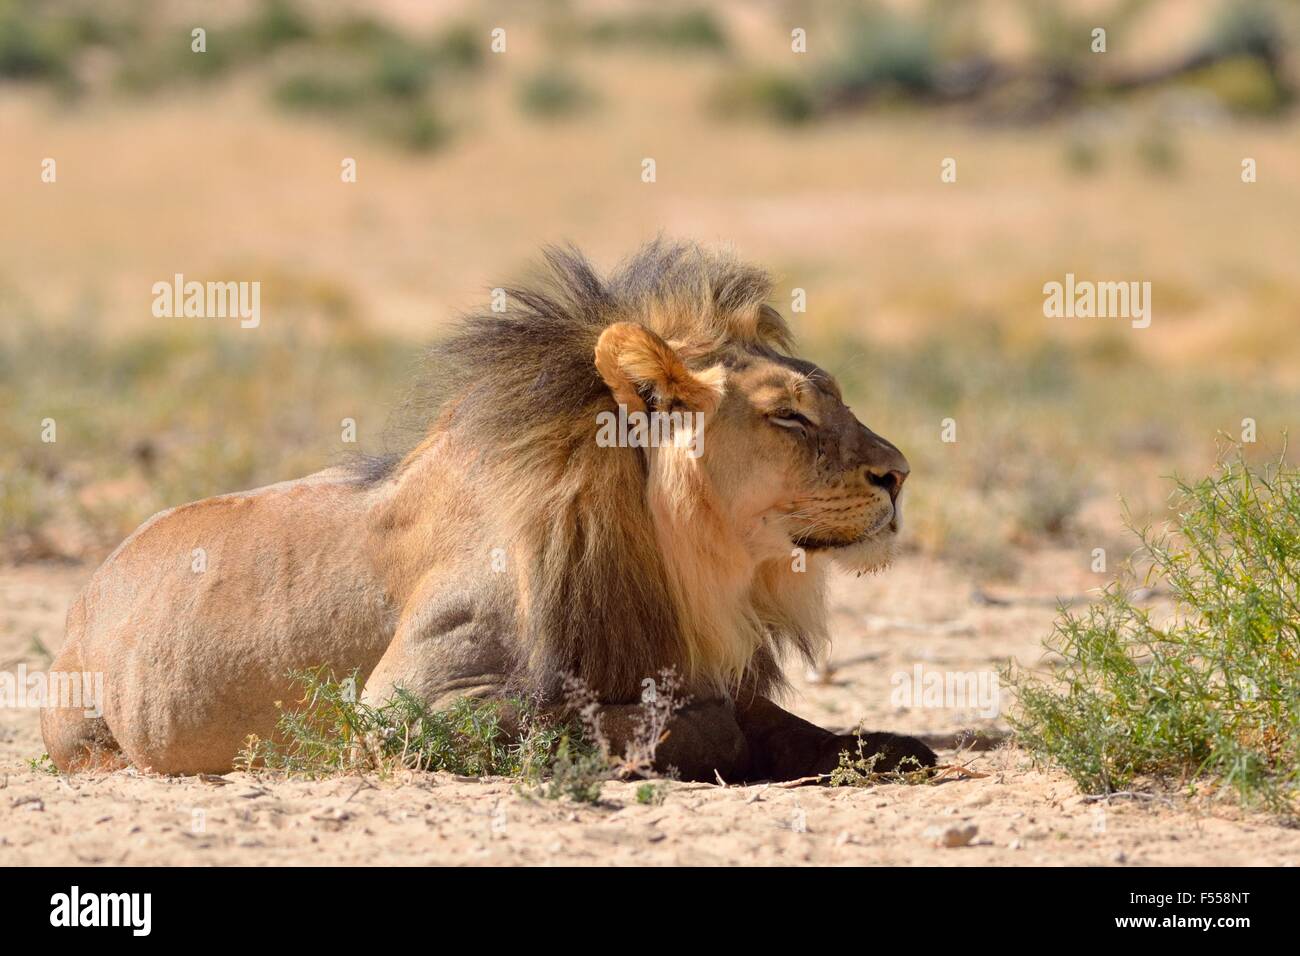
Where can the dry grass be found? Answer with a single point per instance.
(924, 297)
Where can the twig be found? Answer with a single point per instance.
(1131, 794)
(959, 772)
(800, 781)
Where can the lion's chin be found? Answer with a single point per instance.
(869, 554)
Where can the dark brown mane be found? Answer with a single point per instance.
(531, 366)
(521, 389)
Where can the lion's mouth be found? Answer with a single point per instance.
(814, 543)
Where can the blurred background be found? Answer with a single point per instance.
(924, 297)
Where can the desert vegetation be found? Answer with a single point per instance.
(1208, 700)
(330, 730)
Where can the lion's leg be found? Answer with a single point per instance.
(786, 747)
(449, 642)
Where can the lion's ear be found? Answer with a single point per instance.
(640, 367)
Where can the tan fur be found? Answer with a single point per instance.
(507, 549)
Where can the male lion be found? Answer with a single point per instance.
(510, 548)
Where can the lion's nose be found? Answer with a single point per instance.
(891, 481)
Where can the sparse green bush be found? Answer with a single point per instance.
(651, 795)
(412, 126)
(275, 24)
(859, 770)
(25, 52)
(42, 764)
(577, 773)
(331, 731)
(768, 94)
(1211, 697)
(322, 91)
(552, 93)
(459, 47)
(695, 29)
(1245, 27)
(883, 52)
(1244, 85)
(401, 71)
(368, 75)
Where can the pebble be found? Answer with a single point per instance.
(953, 836)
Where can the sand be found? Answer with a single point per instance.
(917, 613)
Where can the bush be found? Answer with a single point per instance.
(768, 94)
(884, 53)
(553, 93)
(683, 30)
(310, 90)
(330, 731)
(1211, 697)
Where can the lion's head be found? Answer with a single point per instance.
(670, 478)
(784, 465)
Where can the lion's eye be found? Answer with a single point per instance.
(789, 418)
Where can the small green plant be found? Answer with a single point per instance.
(42, 764)
(577, 773)
(1209, 698)
(859, 770)
(651, 795)
(553, 93)
(330, 731)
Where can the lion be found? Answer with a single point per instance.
(510, 550)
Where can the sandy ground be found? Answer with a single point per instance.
(918, 613)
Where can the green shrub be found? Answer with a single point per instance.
(696, 29)
(317, 91)
(859, 770)
(884, 52)
(1245, 27)
(1211, 697)
(35, 45)
(651, 795)
(1244, 85)
(276, 23)
(330, 731)
(552, 93)
(24, 52)
(578, 773)
(459, 47)
(768, 94)
(401, 71)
